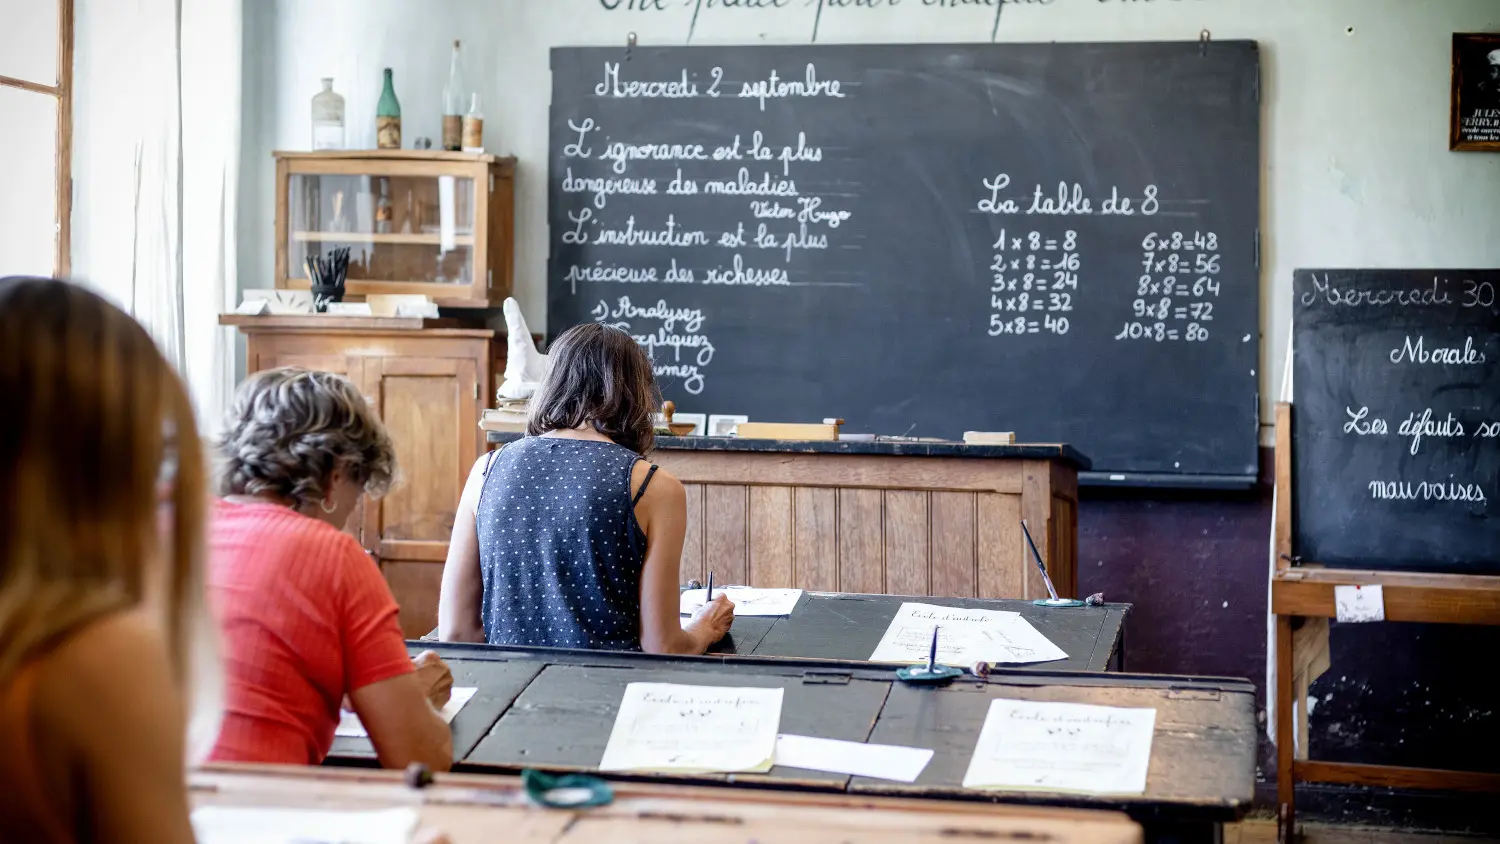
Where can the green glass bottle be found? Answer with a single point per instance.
(388, 117)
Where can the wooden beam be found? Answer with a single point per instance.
(63, 262)
(1446, 599)
(25, 85)
(1393, 777)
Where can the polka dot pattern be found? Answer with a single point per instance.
(560, 551)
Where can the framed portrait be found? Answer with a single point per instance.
(1474, 121)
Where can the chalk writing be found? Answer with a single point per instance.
(1417, 352)
(665, 338)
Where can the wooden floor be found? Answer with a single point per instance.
(1264, 832)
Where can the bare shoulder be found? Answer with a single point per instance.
(109, 675)
(664, 488)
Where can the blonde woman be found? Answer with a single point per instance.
(102, 502)
(306, 617)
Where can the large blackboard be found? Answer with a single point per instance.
(845, 224)
(1396, 419)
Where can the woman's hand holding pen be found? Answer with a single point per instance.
(711, 620)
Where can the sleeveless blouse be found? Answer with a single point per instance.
(560, 550)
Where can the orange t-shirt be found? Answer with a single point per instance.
(304, 617)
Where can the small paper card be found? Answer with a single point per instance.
(1354, 604)
(350, 726)
(236, 825)
(671, 728)
(884, 761)
(1036, 746)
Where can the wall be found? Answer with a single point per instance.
(1356, 162)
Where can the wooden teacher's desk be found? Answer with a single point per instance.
(554, 709)
(895, 518)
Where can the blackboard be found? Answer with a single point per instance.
(1054, 239)
(1396, 419)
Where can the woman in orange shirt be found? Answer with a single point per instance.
(305, 615)
(104, 645)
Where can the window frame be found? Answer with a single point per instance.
(62, 261)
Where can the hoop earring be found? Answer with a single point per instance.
(326, 507)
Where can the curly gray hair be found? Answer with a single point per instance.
(290, 428)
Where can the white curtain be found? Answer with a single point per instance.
(156, 159)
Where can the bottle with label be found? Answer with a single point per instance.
(454, 97)
(474, 127)
(327, 118)
(388, 117)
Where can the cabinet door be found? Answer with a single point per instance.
(430, 407)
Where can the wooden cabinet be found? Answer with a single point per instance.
(428, 381)
(435, 223)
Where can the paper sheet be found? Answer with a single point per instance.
(1033, 746)
(1355, 604)
(966, 637)
(699, 729)
(885, 761)
(350, 727)
(746, 600)
(234, 825)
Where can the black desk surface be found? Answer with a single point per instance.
(553, 709)
(848, 626)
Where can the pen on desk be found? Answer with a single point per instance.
(1051, 590)
(932, 654)
(709, 596)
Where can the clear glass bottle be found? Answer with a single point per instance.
(384, 213)
(388, 117)
(327, 118)
(454, 97)
(474, 127)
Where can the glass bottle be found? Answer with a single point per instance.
(384, 213)
(388, 117)
(474, 127)
(453, 104)
(327, 118)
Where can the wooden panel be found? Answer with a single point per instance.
(1063, 567)
(1036, 509)
(954, 544)
(907, 543)
(845, 470)
(472, 809)
(1309, 592)
(416, 586)
(724, 533)
(692, 541)
(1386, 776)
(861, 546)
(771, 537)
(815, 545)
(423, 409)
(1001, 562)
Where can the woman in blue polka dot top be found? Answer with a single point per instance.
(568, 537)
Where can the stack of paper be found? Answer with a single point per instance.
(1026, 745)
(350, 726)
(746, 600)
(226, 825)
(664, 727)
(965, 637)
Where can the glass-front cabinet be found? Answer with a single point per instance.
(433, 223)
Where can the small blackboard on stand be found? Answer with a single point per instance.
(1387, 475)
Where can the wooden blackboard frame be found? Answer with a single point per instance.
(1302, 589)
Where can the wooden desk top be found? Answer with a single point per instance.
(483, 810)
(553, 709)
(848, 626)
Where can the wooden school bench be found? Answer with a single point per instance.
(554, 709)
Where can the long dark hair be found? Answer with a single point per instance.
(599, 376)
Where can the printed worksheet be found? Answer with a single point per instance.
(747, 600)
(964, 637)
(667, 727)
(1075, 747)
